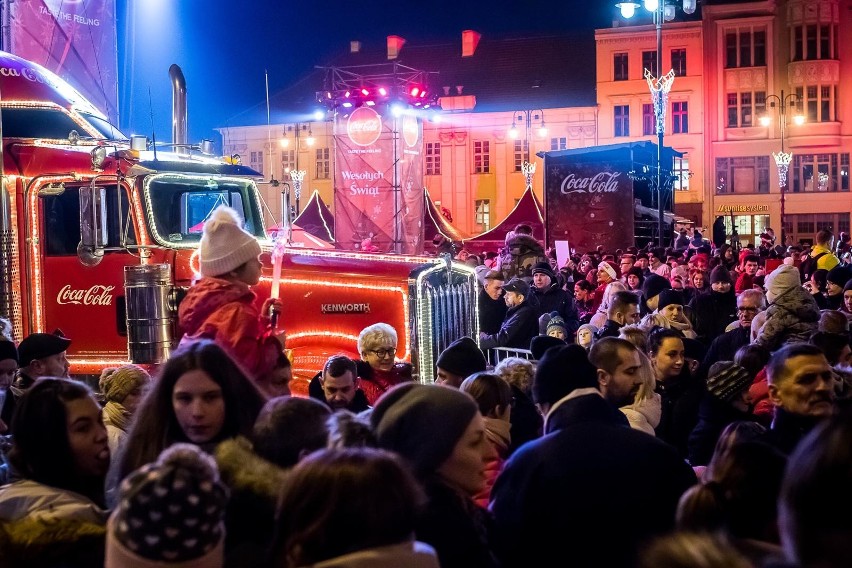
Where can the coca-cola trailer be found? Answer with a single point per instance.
(603, 195)
(99, 233)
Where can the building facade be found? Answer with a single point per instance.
(743, 72)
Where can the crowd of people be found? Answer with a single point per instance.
(666, 407)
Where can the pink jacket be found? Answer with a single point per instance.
(225, 312)
(497, 432)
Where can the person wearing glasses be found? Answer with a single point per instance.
(724, 347)
(378, 369)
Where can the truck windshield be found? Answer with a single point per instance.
(32, 122)
(106, 129)
(181, 203)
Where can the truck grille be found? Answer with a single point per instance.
(446, 309)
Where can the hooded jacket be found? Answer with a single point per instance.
(556, 493)
(792, 315)
(519, 255)
(225, 312)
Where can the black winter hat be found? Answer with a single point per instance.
(423, 423)
(544, 268)
(41, 345)
(720, 274)
(8, 350)
(653, 285)
(839, 275)
(693, 349)
(668, 297)
(518, 286)
(726, 379)
(462, 357)
(541, 343)
(560, 371)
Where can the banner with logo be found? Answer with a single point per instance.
(588, 203)
(378, 182)
(76, 39)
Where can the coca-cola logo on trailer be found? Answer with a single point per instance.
(602, 182)
(364, 126)
(96, 295)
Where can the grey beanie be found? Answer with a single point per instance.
(423, 424)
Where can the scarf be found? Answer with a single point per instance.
(497, 431)
(116, 415)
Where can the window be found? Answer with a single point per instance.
(62, 221)
(747, 174)
(521, 151)
(802, 227)
(681, 174)
(621, 127)
(288, 160)
(481, 157)
(483, 214)
(680, 117)
(745, 47)
(748, 227)
(813, 42)
(820, 172)
(256, 161)
(648, 119)
(744, 107)
(649, 61)
(619, 66)
(679, 62)
(560, 143)
(323, 168)
(433, 158)
(817, 102)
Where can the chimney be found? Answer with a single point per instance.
(354, 46)
(395, 44)
(470, 39)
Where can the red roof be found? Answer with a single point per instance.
(528, 210)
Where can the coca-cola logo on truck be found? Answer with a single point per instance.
(602, 182)
(96, 295)
(364, 126)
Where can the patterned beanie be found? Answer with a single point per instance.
(170, 512)
(225, 245)
(557, 322)
(118, 382)
(726, 379)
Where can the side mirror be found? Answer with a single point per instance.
(93, 225)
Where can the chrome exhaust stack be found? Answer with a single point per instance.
(179, 128)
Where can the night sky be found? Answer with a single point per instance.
(223, 47)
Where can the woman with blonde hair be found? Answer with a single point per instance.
(378, 369)
(525, 418)
(670, 308)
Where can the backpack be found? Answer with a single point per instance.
(809, 266)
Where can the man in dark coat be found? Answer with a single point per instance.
(565, 496)
(521, 323)
(724, 347)
(552, 298)
(623, 310)
(492, 307)
(337, 385)
(801, 387)
(712, 311)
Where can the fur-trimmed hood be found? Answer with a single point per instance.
(243, 471)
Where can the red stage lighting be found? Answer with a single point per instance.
(423, 93)
(365, 92)
(414, 91)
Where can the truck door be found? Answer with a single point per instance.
(85, 302)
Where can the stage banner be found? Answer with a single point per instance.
(411, 185)
(588, 203)
(76, 40)
(378, 182)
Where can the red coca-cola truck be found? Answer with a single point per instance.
(98, 237)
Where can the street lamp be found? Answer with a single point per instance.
(300, 131)
(782, 159)
(526, 118)
(659, 86)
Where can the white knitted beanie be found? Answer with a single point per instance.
(225, 246)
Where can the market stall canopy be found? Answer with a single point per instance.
(528, 210)
(434, 223)
(316, 219)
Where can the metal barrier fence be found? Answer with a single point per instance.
(497, 354)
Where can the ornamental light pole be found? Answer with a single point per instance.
(659, 85)
(527, 117)
(782, 159)
(297, 175)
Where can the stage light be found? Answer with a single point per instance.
(365, 92)
(347, 94)
(396, 110)
(371, 103)
(347, 104)
(328, 95)
(383, 92)
(319, 115)
(414, 91)
(423, 93)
